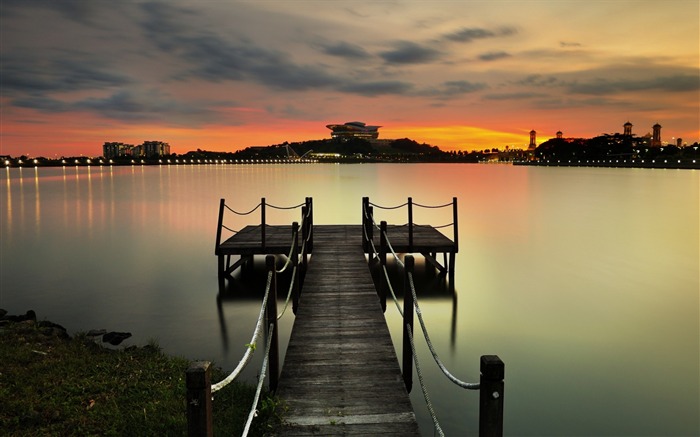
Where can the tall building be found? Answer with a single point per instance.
(154, 149)
(559, 135)
(656, 136)
(533, 140)
(354, 129)
(116, 149)
(628, 129)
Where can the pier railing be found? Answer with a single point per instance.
(198, 376)
(225, 267)
(491, 383)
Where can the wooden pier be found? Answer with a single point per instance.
(340, 374)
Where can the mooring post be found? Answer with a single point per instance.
(295, 260)
(271, 315)
(410, 224)
(407, 324)
(455, 228)
(304, 239)
(370, 231)
(199, 409)
(220, 257)
(262, 221)
(365, 240)
(491, 396)
(382, 260)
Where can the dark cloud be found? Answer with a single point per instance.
(493, 56)
(514, 96)
(451, 89)
(64, 71)
(569, 44)
(469, 34)
(676, 83)
(79, 11)
(538, 80)
(376, 88)
(345, 50)
(407, 52)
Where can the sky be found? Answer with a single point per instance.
(224, 75)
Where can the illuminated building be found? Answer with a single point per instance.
(559, 135)
(353, 129)
(533, 140)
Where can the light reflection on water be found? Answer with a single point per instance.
(584, 281)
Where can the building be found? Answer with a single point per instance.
(656, 136)
(353, 129)
(560, 134)
(533, 140)
(116, 150)
(155, 149)
(628, 129)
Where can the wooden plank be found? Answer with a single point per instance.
(340, 374)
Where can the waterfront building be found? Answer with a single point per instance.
(116, 150)
(155, 149)
(353, 129)
(656, 136)
(533, 140)
(559, 135)
(628, 129)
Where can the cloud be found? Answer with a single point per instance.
(514, 96)
(604, 86)
(345, 50)
(377, 88)
(469, 34)
(64, 71)
(493, 56)
(569, 44)
(407, 52)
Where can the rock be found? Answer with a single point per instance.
(2, 313)
(115, 338)
(47, 324)
(96, 332)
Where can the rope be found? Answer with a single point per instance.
(422, 384)
(289, 293)
(289, 257)
(285, 207)
(467, 385)
(432, 207)
(229, 229)
(443, 226)
(250, 348)
(243, 213)
(388, 207)
(263, 370)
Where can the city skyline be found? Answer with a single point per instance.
(223, 76)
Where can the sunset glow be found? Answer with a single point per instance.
(222, 76)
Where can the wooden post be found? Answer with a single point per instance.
(407, 324)
(199, 412)
(410, 225)
(219, 225)
(382, 259)
(304, 239)
(365, 241)
(455, 222)
(262, 221)
(491, 396)
(295, 260)
(311, 225)
(271, 315)
(370, 231)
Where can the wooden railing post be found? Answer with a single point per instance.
(295, 263)
(410, 224)
(271, 315)
(262, 221)
(222, 205)
(370, 230)
(304, 239)
(407, 324)
(455, 221)
(199, 409)
(491, 396)
(365, 241)
(382, 260)
(310, 207)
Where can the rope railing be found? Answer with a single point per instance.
(286, 207)
(433, 416)
(433, 206)
(388, 207)
(261, 379)
(250, 347)
(243, 213)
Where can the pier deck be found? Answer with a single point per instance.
(340, 374)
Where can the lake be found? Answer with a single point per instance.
(584, 281)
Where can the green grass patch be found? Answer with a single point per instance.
(73, 386)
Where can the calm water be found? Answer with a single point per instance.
(584, 281)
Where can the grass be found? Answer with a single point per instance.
(53, 385)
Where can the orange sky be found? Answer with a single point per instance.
(227, 75)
